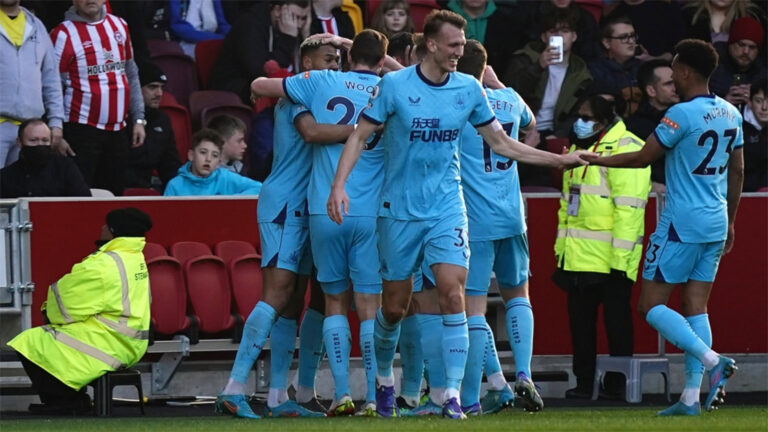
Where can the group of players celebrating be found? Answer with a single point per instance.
(390, 213)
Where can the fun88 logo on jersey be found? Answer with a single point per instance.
(428, 130)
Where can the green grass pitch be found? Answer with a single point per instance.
(642, 419)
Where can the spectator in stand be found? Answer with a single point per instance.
(40, 171)
(491, 26)
(756, 138)
(393, 17)
(265, 32)
(202, 176)
(101, 86)
(193, 21)
(328, 17)
(659, 25)
(159, 153)
(232, 130)
(28, 78)
(587, 46)
(739, 63)
(617, 68)
(550, 88)
(712, 20)
(655, 80)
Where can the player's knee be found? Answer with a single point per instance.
(642, 309)
(452, 302)
(393, 313)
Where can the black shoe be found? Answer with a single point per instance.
(75, 409)
(578, 393)
(612, 395)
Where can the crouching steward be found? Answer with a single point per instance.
(97, 317)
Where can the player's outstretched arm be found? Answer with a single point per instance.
(735, 180)
(338, 201)
(651, 151)
(321, 133)
(269, 87)
(503, 145)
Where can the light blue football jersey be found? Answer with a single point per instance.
(337, 98)
(421, 140)
(699, 136)
(283, 196)
(490, 182)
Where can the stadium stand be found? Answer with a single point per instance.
(180, 123)
(206, 53)
(169, 295)
(202, 99)
(244, 269)
(181, 71)
(140, 192)
(158, 47)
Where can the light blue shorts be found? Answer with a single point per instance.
(669, 260)
(508, 258)
(285, 247)
(345, 253)
(423, 280)
(404, 245)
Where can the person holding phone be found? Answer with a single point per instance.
(739, 62)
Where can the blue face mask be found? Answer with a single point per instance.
(584, 129)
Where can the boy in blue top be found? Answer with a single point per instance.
(286, 261)
(499, 244)
(421, 208)
(701, 139)
(202, 176)
(348, 252)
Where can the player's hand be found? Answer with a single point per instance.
(332, 39)
(548, 56)
(490, 79)
(338, 202)
(138, 135)
(738, 94)
(577, 158)
(730, 239)
(59, 143)
(288, 23)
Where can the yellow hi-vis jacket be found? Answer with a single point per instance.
(99, 316)
(607, 233)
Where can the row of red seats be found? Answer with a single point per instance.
(195, 289)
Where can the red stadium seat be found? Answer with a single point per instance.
(419, 10)
(207, 286)
(538, 189)
(555, 145)
(240, 111)
(206, 53)
(202, 99)
(244, 268)
(594, 7)
(140, 192)
(181, 71)
(158, 47)
(180, 123)
(169, 298)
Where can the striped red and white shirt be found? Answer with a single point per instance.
(329, 25)
(93, 57)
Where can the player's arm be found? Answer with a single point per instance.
(735, 180)
(269, 87)
(506, 146)
(338, 201)
(532, 124)
(651, 151)
(321, 133)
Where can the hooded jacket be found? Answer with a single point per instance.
(220, 182)
(29, 76)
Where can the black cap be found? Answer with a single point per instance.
(128, 222)
(150, 72)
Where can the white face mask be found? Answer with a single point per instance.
(584, 129)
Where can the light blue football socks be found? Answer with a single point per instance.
(411, 358)
(369, 358)
(282, 341)
(338, 341)
(310, 347)
(255, 332)
(473, 372)
(385, 337)
(519, 319)
(455, 346)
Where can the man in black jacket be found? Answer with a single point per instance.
(655, 80)
(40, 172)
(265, 32)
(159, 153)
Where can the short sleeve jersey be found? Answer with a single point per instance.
(421, 139)
(283, 197)
(699, 136)
(337, 98)
(490, 182)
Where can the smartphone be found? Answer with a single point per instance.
(738, 79)
(557, 42)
